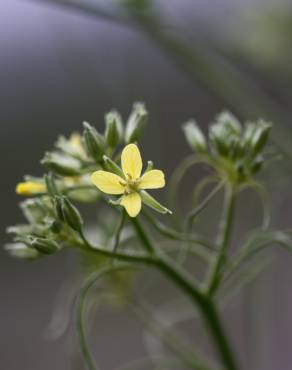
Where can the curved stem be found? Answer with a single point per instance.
(179, 173)
(182, 280)
(223, 241)
(176, 235)
(197, 210)
(87, 356)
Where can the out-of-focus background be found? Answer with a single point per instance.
(63, 62)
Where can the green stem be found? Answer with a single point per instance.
(182, 280)
(203, 301)
(143, 236)
(86, 354)
(223, 241)
(119, 230)
(197, 210)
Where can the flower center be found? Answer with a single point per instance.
(131, 185)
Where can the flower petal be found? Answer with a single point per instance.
(153, 179)
(131, 161)
(108, 182)
(30, 188)
(132, 203)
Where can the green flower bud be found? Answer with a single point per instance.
(20, 250)
(45, 246)
(217, 135)
(94, 142)
(257, 165)
(248, 134)
(136, 123)
(34, 210)
(195, 137)
(229, 122)
(225, 135)
(111, 166)
(71, 215)
(260, 136)
(114, 129)
(62, 165)
(57, 202)
(149, 167)
(51, 185)
(153, 203)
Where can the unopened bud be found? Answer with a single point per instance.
(111, 166)
(94, 142)
(20, 250)
(62, 165)
(153, 203)
(71, 215)
(114, 129)
(136, 123)
(195, 137)
(260, 136)
(45, 246)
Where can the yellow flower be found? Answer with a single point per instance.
(132, 182)
(30, 188)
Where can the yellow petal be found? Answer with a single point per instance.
(108, 182)
(153, 179)
(131, 161)
(132, 204)
(30, 188)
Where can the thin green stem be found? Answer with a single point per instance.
(192, 216)
(203, 301)
(182, 280)
(176, 235)
(143, 235)
(171, 339)
(222, 241)
(197, 210)
(84, 347)
(118, 231)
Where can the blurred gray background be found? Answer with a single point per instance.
(61, 65)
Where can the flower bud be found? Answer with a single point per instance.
(111, 166)
(248, 134)
(51, 185)
(57, 202)
(34, 210)
(29, 188)
(218, 138)
(62, 165)
(257, 165)
(71, 215)
(136, 123)
(149, 167)
(45, 246)
(94, 142)
(229, 122)
(260, 136)
(20, 250)
(153, 203)
(114, 129)
(195, 137)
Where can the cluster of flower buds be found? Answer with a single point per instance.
(74, 156)
(235, 151)
(52, 221)
(52, 218)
